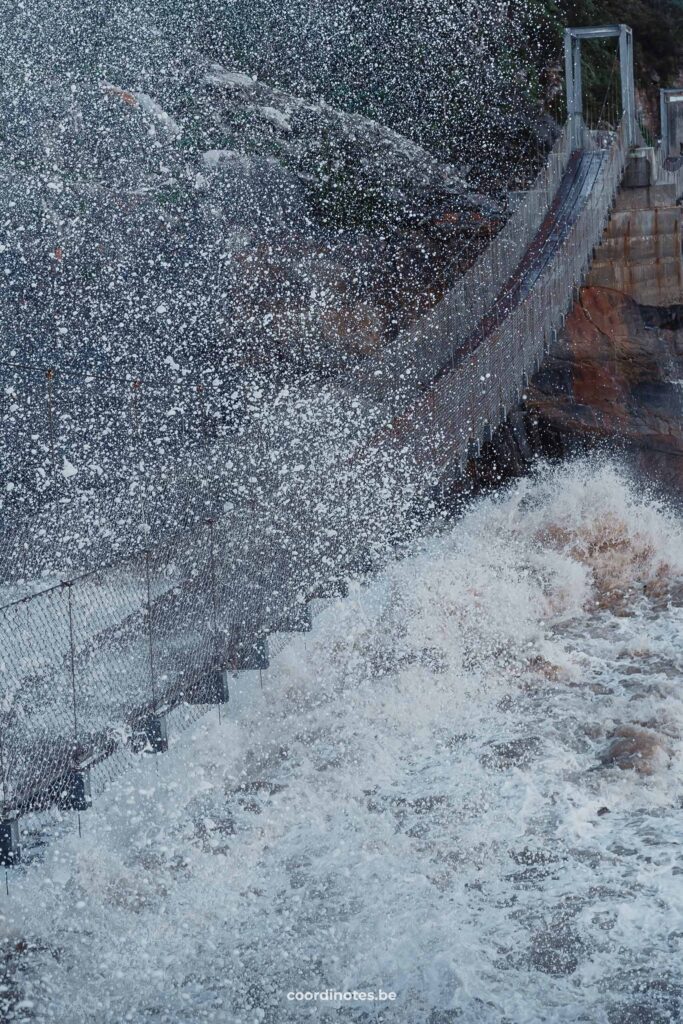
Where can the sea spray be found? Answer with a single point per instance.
(426, 797)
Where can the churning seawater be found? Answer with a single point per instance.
(464, 786)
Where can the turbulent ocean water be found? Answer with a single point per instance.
(463, 786)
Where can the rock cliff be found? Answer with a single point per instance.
(617, 373)
(189, 183)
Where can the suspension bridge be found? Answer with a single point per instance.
(96, 668)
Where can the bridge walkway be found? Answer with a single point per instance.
(435, 419)
(572, 196)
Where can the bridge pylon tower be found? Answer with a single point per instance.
(573, 38)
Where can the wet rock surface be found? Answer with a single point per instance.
(632, 748)
(615, 373)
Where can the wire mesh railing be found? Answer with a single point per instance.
(93, 664)
(399, 370)
(90, 667)
(466, 405)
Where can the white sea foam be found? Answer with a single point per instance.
(411, 801)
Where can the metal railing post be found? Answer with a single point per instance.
(76, 793)
(154, 726)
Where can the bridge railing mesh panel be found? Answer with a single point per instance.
(474, 395)
(419, 351)
(36, 716)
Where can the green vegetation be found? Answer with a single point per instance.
(658, 36)
(657, 28)
(467, 80)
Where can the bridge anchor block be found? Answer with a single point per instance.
(247, 654)
(473, 449)
(150, 735)
(213, 689)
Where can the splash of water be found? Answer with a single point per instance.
(463, 787)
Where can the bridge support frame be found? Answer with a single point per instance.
(213, 689)
(10, 848)
(572, 62)
(247, 651)
(76, 794)
(151, 733)
(671, 122)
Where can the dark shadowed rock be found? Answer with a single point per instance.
(556, 951)
(517, 753)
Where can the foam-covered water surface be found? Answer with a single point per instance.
(464, 787)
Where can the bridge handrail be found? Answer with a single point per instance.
(492, 378)
(418, 351)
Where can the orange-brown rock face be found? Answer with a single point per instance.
(617, 372)
(633, 748)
